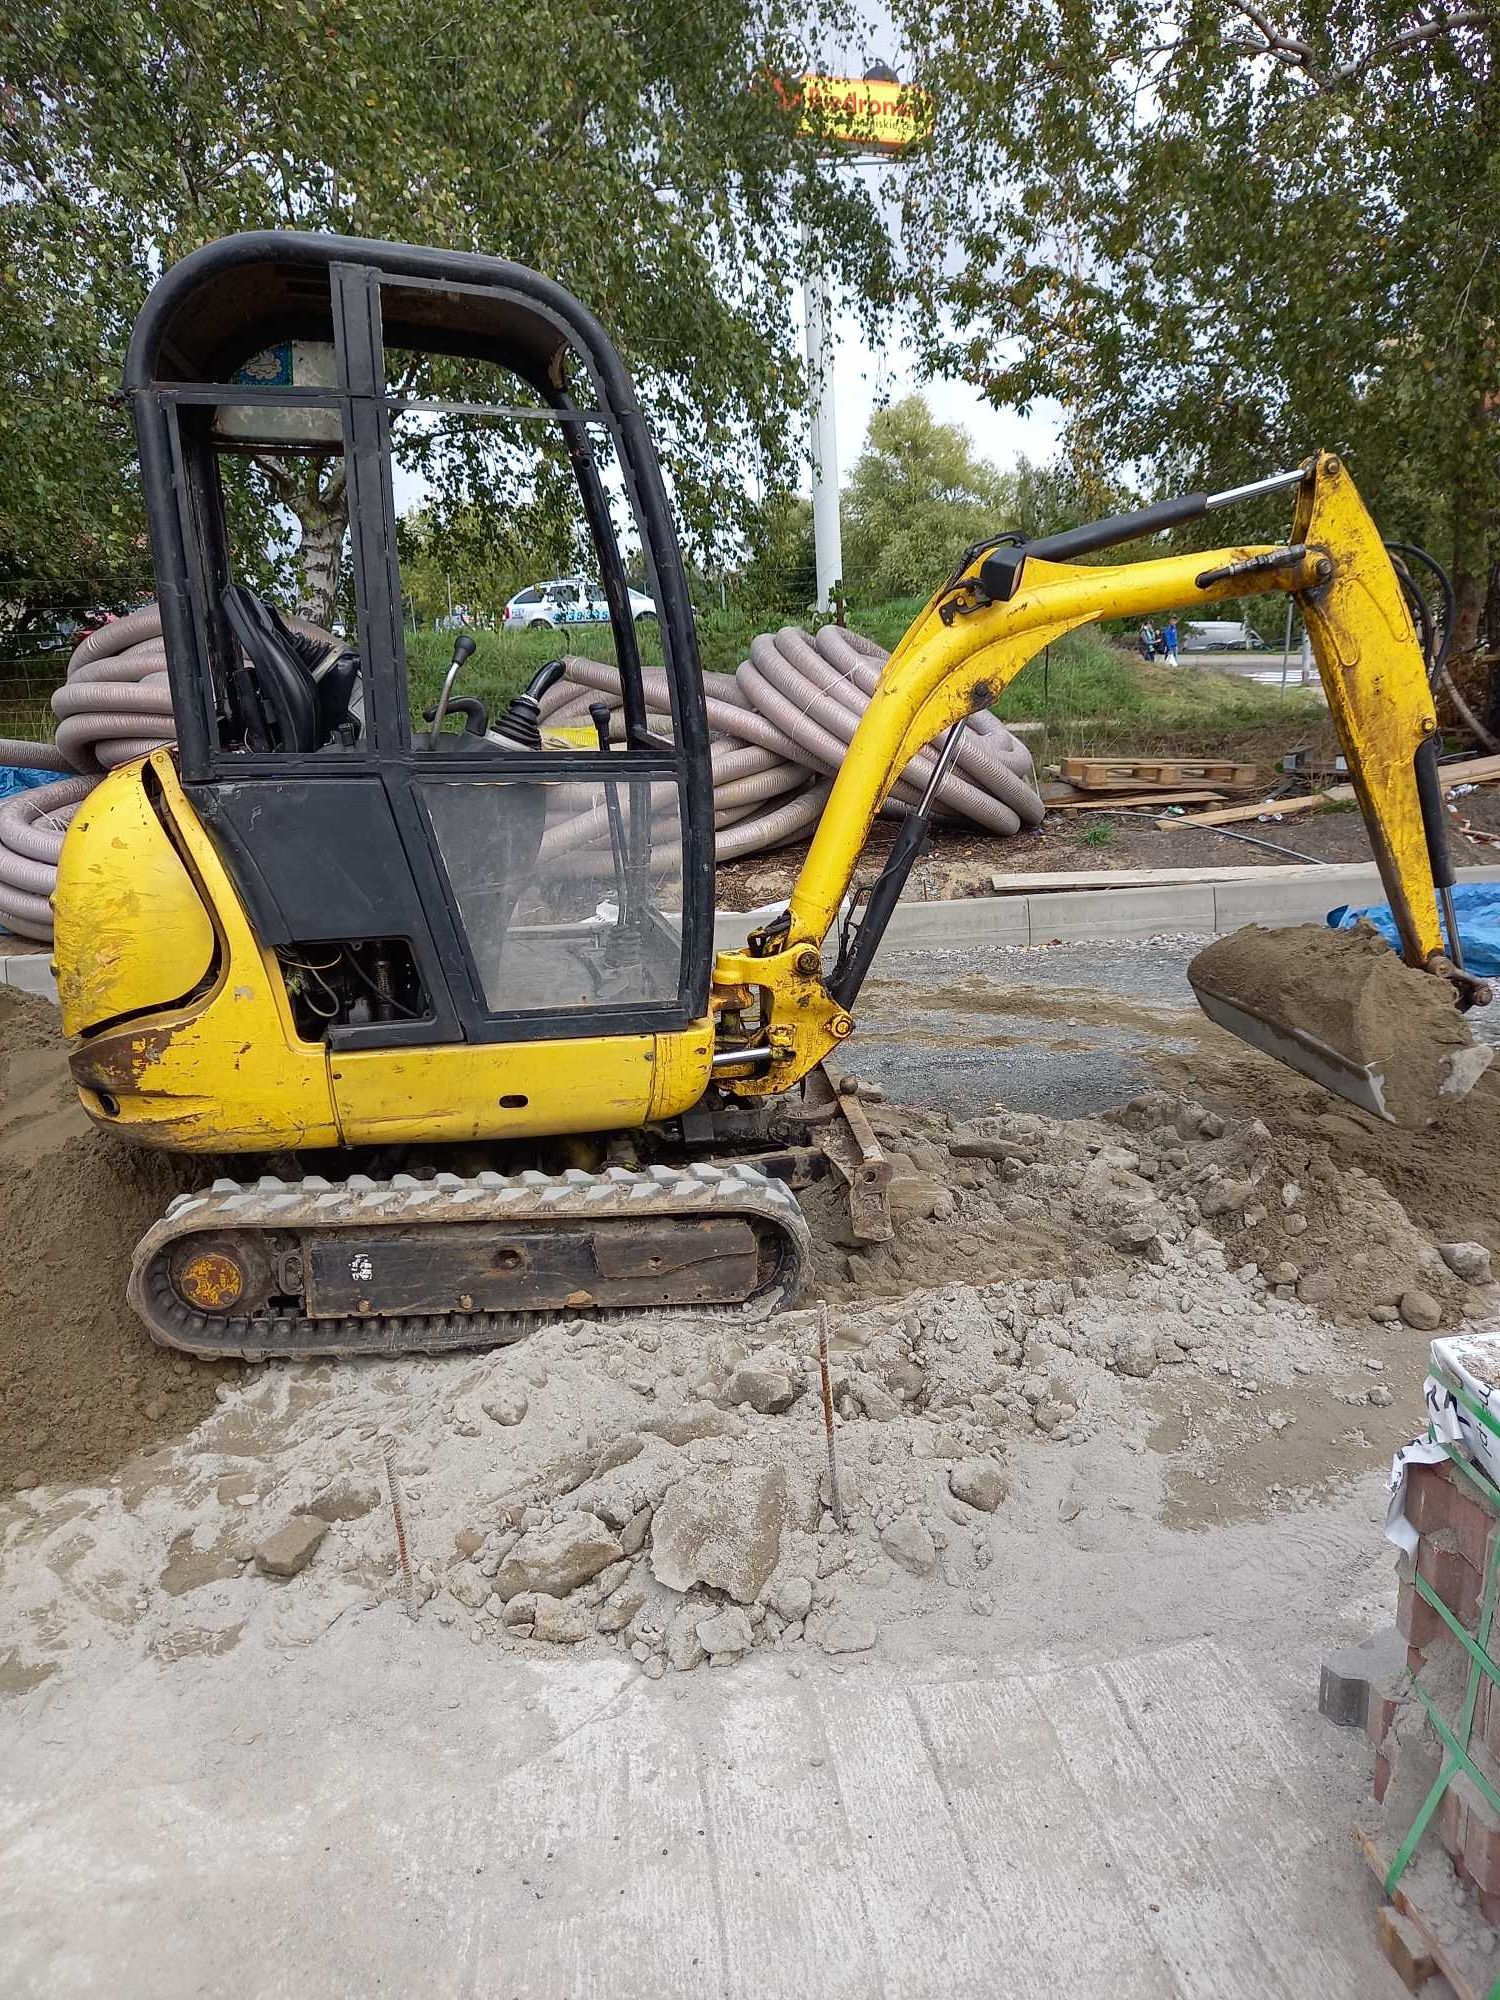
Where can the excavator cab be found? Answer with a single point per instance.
(422, 871)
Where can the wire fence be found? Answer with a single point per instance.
(41, 620)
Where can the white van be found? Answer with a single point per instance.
(1222, 635)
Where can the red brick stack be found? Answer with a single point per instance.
(1455, 1527)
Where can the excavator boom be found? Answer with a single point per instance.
(1006, 603)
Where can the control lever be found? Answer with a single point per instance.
(599, 715)
(463, 650)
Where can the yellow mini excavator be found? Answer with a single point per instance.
(320, 931)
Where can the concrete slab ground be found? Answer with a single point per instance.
(1139, 1825)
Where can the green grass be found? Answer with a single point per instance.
(1092, 695)
(1095, 698)
(504, 661)
(1098, 834)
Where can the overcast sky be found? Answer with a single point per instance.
(864, 377)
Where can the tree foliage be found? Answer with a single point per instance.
(917, 496)
(781, 576)
(629, 151)
(1230, 231)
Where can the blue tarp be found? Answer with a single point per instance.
(1478, 908)
(17, 778)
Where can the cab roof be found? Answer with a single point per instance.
(232, 299)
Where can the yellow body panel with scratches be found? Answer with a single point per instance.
(131, 928)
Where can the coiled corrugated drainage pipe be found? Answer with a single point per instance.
(114, 706)
(779, 728)
(797, 702)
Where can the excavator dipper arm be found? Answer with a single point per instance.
(998, 611)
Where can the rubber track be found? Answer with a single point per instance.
(505, 1200)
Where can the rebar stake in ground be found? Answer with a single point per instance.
(834, 1497)
(398, 1515)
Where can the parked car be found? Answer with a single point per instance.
(1222, 635)
(568, 600)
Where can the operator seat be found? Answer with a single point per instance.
(303, 712)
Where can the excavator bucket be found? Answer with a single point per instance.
(1342, 1008)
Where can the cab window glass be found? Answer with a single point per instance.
(265, 494)
(511, 520)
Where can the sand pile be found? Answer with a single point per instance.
(81, 1388)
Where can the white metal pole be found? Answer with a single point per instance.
(1286, 645)
(827, 536)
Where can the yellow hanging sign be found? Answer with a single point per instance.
(864, 113)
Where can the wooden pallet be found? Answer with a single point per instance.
(1407, 1902)
(1067, 798)
(1134, 774)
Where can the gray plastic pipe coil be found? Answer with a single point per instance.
(778, 728)
(797, 702)
(114, 706)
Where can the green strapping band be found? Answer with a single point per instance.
(1465, 1638)
(1460, 1394)
(1485, 1488)
(1418, 1826)
(1480, 1664)
(1460, 1756)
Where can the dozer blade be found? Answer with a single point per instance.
(1362, 1083)
(317, 1268)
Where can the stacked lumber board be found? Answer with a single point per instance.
(1468, 771)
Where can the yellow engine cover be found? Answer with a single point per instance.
(226, 1071)
(130, 926)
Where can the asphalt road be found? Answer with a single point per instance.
(1073, 1039)
(925, 1041)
